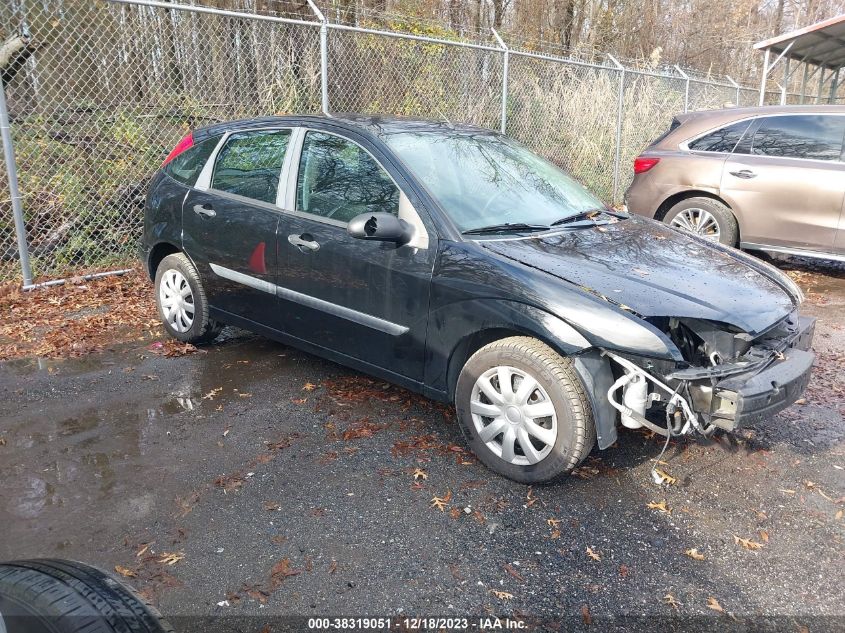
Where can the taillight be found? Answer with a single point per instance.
(642, 164)
(185, 144)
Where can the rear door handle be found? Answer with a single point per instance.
(205, 209)
(743, 173)
(303, 244)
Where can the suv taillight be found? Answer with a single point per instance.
(185, 144)
(642, 164)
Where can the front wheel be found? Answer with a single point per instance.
(523, 410)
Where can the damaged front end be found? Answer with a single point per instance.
(727, 379)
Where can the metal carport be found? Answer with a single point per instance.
(819, 48)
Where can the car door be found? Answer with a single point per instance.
(230, 222)
(786, 181)
(363, 299)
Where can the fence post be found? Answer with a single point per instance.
(686, 87)
(505, 62)
(324, 56)
(736, 86)
(14, 192)
(620, 110)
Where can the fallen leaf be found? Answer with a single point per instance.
(282, 570)
(585, 615)
(665, 478)
(171, 558)
(278, 539)
(144, 548)
(309, 386)
(694, 554)
(747, 543)
(502, 595)
(671, 601)
(592, 554)
(623, 571)
(838, 515)
(712, 603)
(419, 473)
(661, 507)
(212, 394)
(272, 506)
(299, 400)
(441, 503)
(514, 573)
(333, 567)
(125, 571)
(554, 523)
(764, 536)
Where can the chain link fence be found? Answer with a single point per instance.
(112, 85)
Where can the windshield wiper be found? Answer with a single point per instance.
(589, 214)
(507, 226)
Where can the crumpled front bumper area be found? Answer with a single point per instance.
(748, 398)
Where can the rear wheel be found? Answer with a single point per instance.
(181, 301)
(58, 596)
(705, 217)
(524, 411)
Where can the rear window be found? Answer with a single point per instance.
(810, 136)
(672, 127)
(721, 140)
(186, 167)
(250, 163)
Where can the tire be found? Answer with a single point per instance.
(58, 596)
(190, 327)
(558, 385)
(684, 214)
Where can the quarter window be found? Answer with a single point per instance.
(816, 137)
(186, 167)
(249, 164)
(338, 179)
(722, 140)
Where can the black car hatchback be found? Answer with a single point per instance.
(453, 261)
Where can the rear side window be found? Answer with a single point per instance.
(722, 140)
(812, 136)
(186, 167)
(338, 179)
(250, 163)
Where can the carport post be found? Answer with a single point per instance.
(736, 87)
(804, 81)
(765, 77)
(686, 87)
(14, 192)
(834, 85)
(324, 56)
(505, 62)
(620, 111)
(821, 86)
(785, 86)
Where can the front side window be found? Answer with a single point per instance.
(186, 167)
(812, 136)
(481, 179)
(338, 180)
(249, 164)
(722, 140)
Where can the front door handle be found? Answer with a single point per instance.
(743, 173)
(205, 209)
(303, 244)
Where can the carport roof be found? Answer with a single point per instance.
(821, 44)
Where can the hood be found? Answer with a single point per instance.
(656, 271)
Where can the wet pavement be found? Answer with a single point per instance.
(285, 484)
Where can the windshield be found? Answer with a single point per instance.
(482, 180)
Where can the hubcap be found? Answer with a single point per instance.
(176, 300)
(698, 221)
(513, 415)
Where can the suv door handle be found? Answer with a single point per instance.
(743, 173)
(205, 209)
(303, 244)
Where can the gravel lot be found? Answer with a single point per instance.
(285, 485)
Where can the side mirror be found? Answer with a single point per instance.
(381, 227)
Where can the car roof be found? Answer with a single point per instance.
(748, 111)
(375, 124)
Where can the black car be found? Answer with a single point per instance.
(453, 261)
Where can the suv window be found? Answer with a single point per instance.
(722, 140)
(249, 164)
(813, 136)
(186, 167)
(338, 179)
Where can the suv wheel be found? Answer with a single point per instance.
(524, 411)
(705, 217)
(182, 305)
